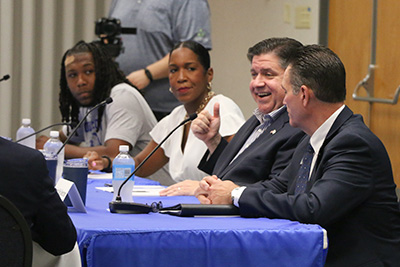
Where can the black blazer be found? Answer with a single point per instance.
(25, 182)
(268, 154)
(351, 193)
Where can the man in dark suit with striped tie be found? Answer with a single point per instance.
(340, 176)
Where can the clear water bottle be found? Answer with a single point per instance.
(51, 148)
(123, 166)
(26, 130)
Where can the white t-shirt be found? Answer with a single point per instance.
(183, 166)
(128, 118)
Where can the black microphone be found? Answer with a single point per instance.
(105, 102)
(118, 206)
(41, 130)
(5, 78)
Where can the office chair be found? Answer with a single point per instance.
(15, 236)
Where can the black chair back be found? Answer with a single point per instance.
(15, 236)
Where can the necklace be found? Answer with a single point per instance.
(203, 103)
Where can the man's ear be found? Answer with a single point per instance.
(306, 94)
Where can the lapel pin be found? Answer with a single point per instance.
(273, 131)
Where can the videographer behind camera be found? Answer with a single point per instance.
(160, 25)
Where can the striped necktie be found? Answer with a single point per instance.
(304, 171)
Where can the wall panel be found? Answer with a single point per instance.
(34, 36)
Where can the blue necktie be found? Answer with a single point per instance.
(304, 171)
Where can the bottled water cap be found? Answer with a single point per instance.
(26, 121)
(54, 134)
(123, 148)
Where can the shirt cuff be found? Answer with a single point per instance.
(236, 194)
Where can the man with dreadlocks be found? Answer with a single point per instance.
(88, 77)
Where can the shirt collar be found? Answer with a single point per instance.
(261, 117)
(318, 138)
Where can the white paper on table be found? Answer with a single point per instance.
(139, 190)
(96, 175)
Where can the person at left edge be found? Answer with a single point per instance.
(25, 181)
(89, 76)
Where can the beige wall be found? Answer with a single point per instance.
(34, 36)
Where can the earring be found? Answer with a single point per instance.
(170, 90)
(209, 88)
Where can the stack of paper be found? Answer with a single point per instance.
(139, 190)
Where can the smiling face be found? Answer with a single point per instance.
(265, 86)
(81, 77)
(188, 78)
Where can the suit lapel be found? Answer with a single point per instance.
(340, 120)
(273, 129)
(235, 145)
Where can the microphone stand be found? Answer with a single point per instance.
(118, 206)
(107, 101)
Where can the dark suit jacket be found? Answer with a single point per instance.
(268, 154)
(351, 193)
(25, 182)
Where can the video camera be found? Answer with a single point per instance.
(109, 31)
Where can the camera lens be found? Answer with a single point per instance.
(110, 29)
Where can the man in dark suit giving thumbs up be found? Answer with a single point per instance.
(266, 139)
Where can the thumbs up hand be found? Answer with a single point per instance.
(206, 128)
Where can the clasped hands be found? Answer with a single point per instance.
(213, 190)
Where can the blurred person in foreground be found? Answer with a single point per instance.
(27, 184)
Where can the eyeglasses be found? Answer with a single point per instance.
(156, 206)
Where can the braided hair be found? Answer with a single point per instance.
(107, 76)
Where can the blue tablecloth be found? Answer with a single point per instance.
(107, 239)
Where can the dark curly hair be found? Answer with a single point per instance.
(284, 48)
(107, 76)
